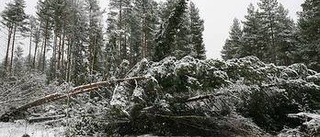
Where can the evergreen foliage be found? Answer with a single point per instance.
(166, 36)
(309, 34)
(197, 28)
(233, 44)
(268, 33)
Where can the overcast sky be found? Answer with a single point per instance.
(217, 14)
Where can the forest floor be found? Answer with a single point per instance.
(19, 128)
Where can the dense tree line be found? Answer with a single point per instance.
(69, 41)
(268, 33)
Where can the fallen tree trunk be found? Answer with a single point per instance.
(54, 97)
(40, 119)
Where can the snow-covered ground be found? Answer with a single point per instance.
(19, 128)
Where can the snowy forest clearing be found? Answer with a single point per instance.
(19, 128)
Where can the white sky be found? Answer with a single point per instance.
(217, 14)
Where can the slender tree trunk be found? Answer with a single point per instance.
(69, 61)
(59, 55)
(8, 49)
(145, 37)
(12, 48)
(35, 55)
(40, 57)
(30, 46)
(45, 46)
(55, 54)
(120, 27)
(62, 54)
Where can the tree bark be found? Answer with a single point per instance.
(30, 46)
(45, 45)
(8, 49)
(35, 55)
(12, 48)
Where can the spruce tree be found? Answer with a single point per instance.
(77, 35)
(268, 33)
(234, 42)
(166, 37)
(309, 33)
(118, 32)
(286, 44)
(197, 28)
(182, 45)
(252, 38)
(95, 35)
(145, 14)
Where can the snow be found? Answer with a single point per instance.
(19, 128)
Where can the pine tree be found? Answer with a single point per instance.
(234, 42)
(44, 13)
(309, 33)
(14, 18)
(168, 32)
(197, 28)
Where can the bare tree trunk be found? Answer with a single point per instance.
(59, 55)
(45, 46)
(40, 57)
(30, 46)
(12, 48)
(35, 55)
(62, 70)
(145, 37)
(69, 62)
(120, 27)
(6, 63)
(75, 91)
(54, 55)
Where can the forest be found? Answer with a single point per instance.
(139, 68)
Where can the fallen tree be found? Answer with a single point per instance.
(15, 113)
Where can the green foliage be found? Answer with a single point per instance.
(168, 31)
(197, 28)
(233, 43)
(268, 33)
(308, 31)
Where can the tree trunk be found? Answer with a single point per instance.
(45, 46)
(40, 57)
(145, 37)
(12, 48)
(69, 62)
(6, 63)
(120, 27)
(59, 56)
(62, 70)
(54, 56)
(30, 46)
(35, 55)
